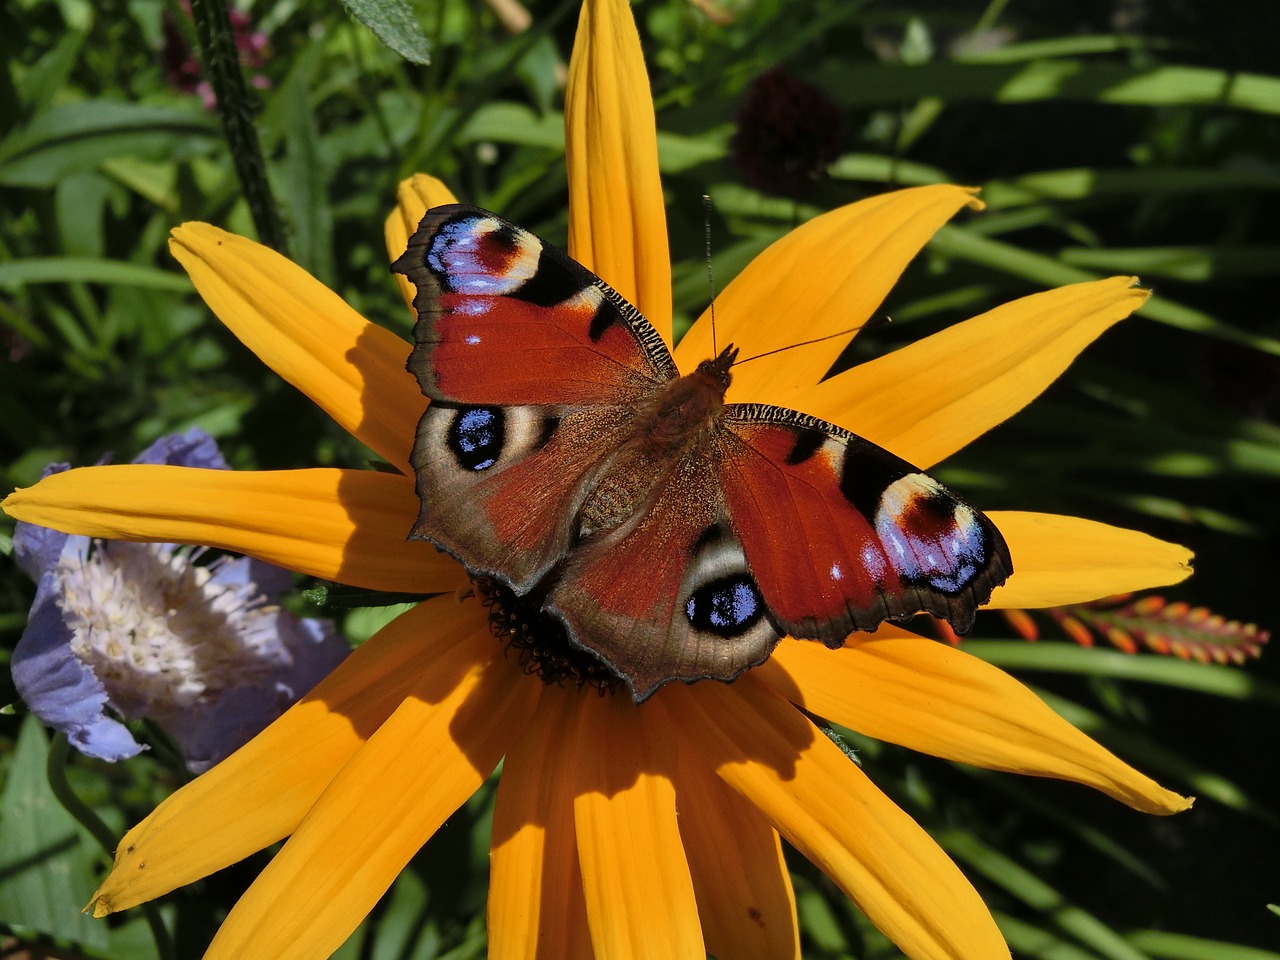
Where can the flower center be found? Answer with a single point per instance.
(163, 633)
(541, 640)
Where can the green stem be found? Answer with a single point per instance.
(235, 106)
(56, 771)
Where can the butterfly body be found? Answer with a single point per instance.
(675, 535)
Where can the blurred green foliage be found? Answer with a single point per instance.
(1108, 137)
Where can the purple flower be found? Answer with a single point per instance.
(145, 630)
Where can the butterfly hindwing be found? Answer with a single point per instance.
(670, 595)
(504, 318)
(500, 487)
(842, 535)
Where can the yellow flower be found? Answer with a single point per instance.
(588, 854)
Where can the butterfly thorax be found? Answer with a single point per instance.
(676, 422)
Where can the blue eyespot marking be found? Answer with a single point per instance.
(727, 606)
(477, 255)
(476, 436)
(930, 536)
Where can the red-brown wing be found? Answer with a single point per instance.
(668, 596)
(500, 487)
(841, 535)
(504, 318)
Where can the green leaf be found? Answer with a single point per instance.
(1192, 264)
(305, 181)
(1022, 884)
(50, 73)
(1230, 682)
(90, 270)
(394, 23)
(865, 84)
(1082, 183)
(79, 136)
(46, 862)
(1030, 940)
(506, 122)
(1176, 946)
(1062, 47)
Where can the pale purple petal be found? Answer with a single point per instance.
(317, 649)
(59, 689)
(270, 580)
(213, 731)
(195, 448)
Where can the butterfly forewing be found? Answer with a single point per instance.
(505, 319)
(842, 535)
(533, 366)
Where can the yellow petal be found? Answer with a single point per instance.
(639, 894)
(825, 277)
(414, 198)
(1059, 560)
(745, 900)
(827, 808)
(617, 217)
(415, 770)
(342, 525)
(306, 333)
(929, 399)
(261, 792)
(939, 700)
(536, 907)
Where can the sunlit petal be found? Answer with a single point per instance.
(827, 808)
(825, 277)
(745, 900)
(639, 894)
(1059, 560)
(932, 397)
(353, 369)
(617, 217)
(260, 793)
(536, 905)
(342, 525)
(418, 767)
(414, 197)
(939, 700)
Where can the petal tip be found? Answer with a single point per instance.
(1169, 804)
(12, 503)
(99, 906)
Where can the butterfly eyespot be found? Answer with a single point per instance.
(727, 606)
(476, 436)
(930, 537)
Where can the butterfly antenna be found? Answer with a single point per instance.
(711, 280)
(805, 343)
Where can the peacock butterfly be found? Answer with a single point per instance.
(676, 536)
